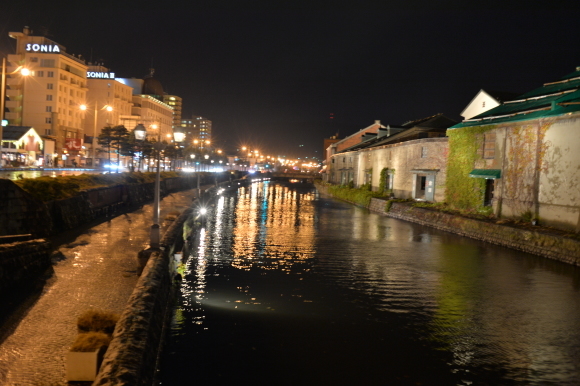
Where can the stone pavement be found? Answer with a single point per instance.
(97, 270)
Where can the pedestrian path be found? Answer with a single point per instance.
(97, 270)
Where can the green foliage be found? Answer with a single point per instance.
(359, 196)
(462, 191)
(61, 187)
(383, 180)
(97, 321)
(90, 341)
(389, 203)
(366, 187)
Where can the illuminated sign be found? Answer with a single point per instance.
(73, 143)
(34, 47)
(100, 75)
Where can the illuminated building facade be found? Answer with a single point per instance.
(149, 108)
(197, 128)
(175, 102)
(49, 98)
(107, 101)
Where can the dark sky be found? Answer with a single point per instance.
(270, 75)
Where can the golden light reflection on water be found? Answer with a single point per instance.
(278, 219)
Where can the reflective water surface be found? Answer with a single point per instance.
(286, 287)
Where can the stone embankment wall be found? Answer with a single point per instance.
(536, 242)
(20, 213)
(21, 261)
(131, 359)
(532, 241)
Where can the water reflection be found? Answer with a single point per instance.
(286, 287)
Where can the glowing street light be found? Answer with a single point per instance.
(95, 115)
(155, 234)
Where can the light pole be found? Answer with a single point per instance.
(178, 137)
(94, 141)
(155, 234)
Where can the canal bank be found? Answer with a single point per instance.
(535, 240)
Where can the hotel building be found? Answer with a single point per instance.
(48, 99)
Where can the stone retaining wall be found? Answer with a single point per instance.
(20, 213)
(131, 359)
(538, 243)
(22, 263)
(132, 355)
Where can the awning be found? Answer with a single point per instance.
(485, 173)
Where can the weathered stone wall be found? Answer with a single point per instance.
(538, 243)
(132, 355)
(22, 262)
(20, 213)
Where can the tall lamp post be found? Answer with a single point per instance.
(155, 234)
(94, 142)
(178, 137)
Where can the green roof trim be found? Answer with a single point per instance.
(485, 173)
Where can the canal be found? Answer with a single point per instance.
(287, 287)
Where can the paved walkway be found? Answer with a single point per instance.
(97, 270)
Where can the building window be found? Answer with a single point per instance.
(49, 109)
(49, 97)
(483, 104)
(48, 120)
(489, 146)
(49, 86)
(34, 59)
(424, 152)
(50, 74)
(48, 131)
(46, 62)
(40, 74)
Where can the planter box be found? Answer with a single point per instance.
(83, 366)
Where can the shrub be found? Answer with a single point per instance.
(97, 321)
(90, 341)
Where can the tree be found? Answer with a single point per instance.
(113, 137)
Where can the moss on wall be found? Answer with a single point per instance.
(462, 191)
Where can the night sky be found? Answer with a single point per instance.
(271, 76)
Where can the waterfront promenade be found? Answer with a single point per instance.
(97, 269)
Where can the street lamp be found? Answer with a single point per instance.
(94, 141)
(155, 234)
(178, 137)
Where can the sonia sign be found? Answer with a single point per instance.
(100, 75)
(34, 47)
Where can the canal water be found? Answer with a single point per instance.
(288, 287)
